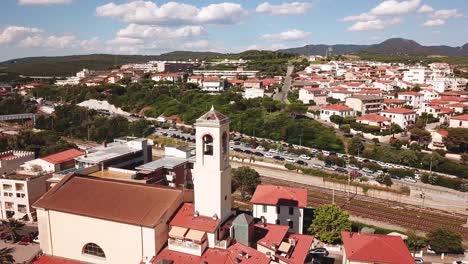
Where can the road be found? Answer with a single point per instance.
(283, 94)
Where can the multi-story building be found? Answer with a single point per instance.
(212, 84)
(400, 116)
(53, 163)
(228, 74)
(335, 109)
(415, 75)
(251, 93)
(366, 104)
(280, 205)
(459, 121)
(11, 160)
(413, 99)
(18, 193)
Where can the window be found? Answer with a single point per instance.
(291, 224)
(94, 250)
(208, 145)
(278, 210)
(264, 208)
(291, 210)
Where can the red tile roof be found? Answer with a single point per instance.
(280, 195)
(394, 101)
(300, 250)
(270, 234)
(373, 118)
(458, 105)
(454, 99)
(211, 79)
(255, 256)
(442, 132)
(411, 93)
(185, 217)
(337, 107)
(375, 248)
(460, 117)
(399, 111)
(63, 156)
(53, 260)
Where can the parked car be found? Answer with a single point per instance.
(172, 129)
(300, 162)
(316, 166)
(290, 160)
(353, 167)
(237, 143)
(395, 177)
(409, 179)
(272, 151)
(247, 151)
(278, 158)
(366, 170)
(269, 155)
(304, 157)
(238, 150)
(260, 148)
(418, 260)
(341, 170)
(319, 252)
(258, 154)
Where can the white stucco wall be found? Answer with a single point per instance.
(65, 235)
(271, 216)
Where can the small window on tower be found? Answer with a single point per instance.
(225, 143)
(208, 145)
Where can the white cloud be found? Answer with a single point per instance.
(425, 9)
(147, 31)
(361, 17)
(434, 23)
(53, 42)
(173, 13)
(375, 24)
(394, 7)
(14, 33)
(43, 2)
(125, 41)
(293, 8)
(290, 35)
(446, 14)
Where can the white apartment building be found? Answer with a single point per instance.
(366, 104)
(459, 121)
(18, 193)
(308, 95)
(335, 109)
(400, 116)
(280, 205)
(11, 160)
(251, 93)
(228, 74)
(415, 75)
(212, 84)
(412, 99)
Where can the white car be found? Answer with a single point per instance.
(172, 129)
(260, 148)
(409, 179)
(269, 155)
(366, 170)
(290, 160)
(353, 167)
(273, 151)
(317, 166)
(304, 157)
(326, 153)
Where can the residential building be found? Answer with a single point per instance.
(412, 99)
(459, 107)
(360, 248)
(251, 93)
(120, 153)
(228, 74)
(212, 84)
(374, 120)
(443, 113)
(393, 103)
(366, 104)
(280, 205)
(459, 121)
(400, 116)
(335, 109)
(415, 75)
(253, 83)
(195, 79)
(437, 139)
(18, 193)
(11, 160)
(53, 163)
(309, 95)
(168, 77)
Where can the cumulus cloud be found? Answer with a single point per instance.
(375, 24)
(14, 33)
(361, 17)
(394, 7)
(147, 31)
(293, 8)
(290, 35)
(434, 23)
(446, 14)
(173, 13)
(54, 42)
(43, 2)
(425, 9)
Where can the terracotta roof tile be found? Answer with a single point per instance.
(270, 234)
(280, 195)
(373, 118)
(460, 117)
(399, 111)
(337, 107)
(63, 156)
(185, 217)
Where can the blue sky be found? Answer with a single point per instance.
(64, 27)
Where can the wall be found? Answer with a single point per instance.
(122, 243)
(283, 216)
(11, 164)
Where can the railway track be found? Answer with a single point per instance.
(407, 216)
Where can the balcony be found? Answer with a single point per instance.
(186, 246)
(7, 187)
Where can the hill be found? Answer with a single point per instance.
(393, 46)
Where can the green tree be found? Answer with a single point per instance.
(328, 223)
(395, 128)
(415, 243)
(11, 227)
(421, 135)
(337, 119)
(396, 144)
(457, 140)
(384, 179)
(444, 240)
(6, 256)
(356, 147)
(245, 179)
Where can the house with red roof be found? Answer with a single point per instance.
(374, 120)
(458, 107)
(53, 163)
(309, 95)
(443, 113)
(371, 248)
(280, 205)
(459, 121)
(400, 116)
(212, 84)
(412, 99)
(335, 109)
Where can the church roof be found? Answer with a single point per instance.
(124, 202)
(212, 115)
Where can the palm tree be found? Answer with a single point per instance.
(12, 226)
(6, 256)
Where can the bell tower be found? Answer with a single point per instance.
(212, 171)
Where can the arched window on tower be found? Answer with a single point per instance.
(94, 250)
(208, 145)
(225, 143)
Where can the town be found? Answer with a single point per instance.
(211, 133)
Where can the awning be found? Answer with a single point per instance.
(177, 232)
(195, 235)
(284, 247)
